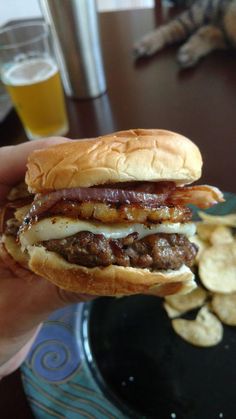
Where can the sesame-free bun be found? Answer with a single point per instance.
(108, 281)
(124, 156)
(13, 249)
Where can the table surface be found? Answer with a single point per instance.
(150, 93)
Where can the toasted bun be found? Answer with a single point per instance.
(109, 281)
(14, 250)
(134, 155)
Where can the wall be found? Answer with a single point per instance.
(18, 9)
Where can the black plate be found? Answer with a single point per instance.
(147, 370)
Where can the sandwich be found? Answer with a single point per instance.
(110, 216)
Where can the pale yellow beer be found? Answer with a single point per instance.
(36, 92)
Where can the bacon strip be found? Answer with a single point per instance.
(201, 196)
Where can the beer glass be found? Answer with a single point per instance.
(29, 71)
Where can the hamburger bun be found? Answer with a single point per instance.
(111, 280)
(139, 155)
(125, 156)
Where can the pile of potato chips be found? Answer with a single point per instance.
(216, 295)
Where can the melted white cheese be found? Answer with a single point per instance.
(61, 227)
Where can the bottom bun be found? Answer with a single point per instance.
(8, 263)
(112, 280)
(14, 250)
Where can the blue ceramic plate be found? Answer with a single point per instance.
(117, 358)
(55, 377)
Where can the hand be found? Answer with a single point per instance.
(26, 300)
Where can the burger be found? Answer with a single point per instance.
(110, 216)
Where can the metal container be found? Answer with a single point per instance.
(75, 30)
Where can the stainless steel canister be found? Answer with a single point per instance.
(75, 30)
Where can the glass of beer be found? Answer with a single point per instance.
(29, 71)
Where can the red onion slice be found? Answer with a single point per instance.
(43, 203)
(203, 196)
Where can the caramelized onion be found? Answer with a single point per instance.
(148, 195)
(43, 203)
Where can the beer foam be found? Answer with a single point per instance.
(30, 71)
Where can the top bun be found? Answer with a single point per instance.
(124, 156)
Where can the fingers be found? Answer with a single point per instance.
(68, 297)
(12, 267)
(13, 161)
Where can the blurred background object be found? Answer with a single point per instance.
(5, 102)
(75, 31)
(109, 5)
(29, 72)
(12, 9)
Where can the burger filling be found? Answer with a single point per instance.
(111, 213)
(155, 252)
(140, 225)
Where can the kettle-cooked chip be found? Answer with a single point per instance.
(221, 235)
(171, 311)
(216, 261)
(224, 306)
(205, 230)
(226, 220)
(183, 303)
(201, 244)
(217, 268)
(206, 330)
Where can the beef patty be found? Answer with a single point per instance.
(157, 251)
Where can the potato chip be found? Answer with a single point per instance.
(187, 302)
(206, 330)
(217, 268)
(221, 235)
(171, 311)
(224, 306)
(226, 220)
(205, 230)
(201, 244)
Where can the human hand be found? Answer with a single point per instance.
(26, 299)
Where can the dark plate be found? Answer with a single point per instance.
(146, 370)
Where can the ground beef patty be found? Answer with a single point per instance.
(157, 251)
